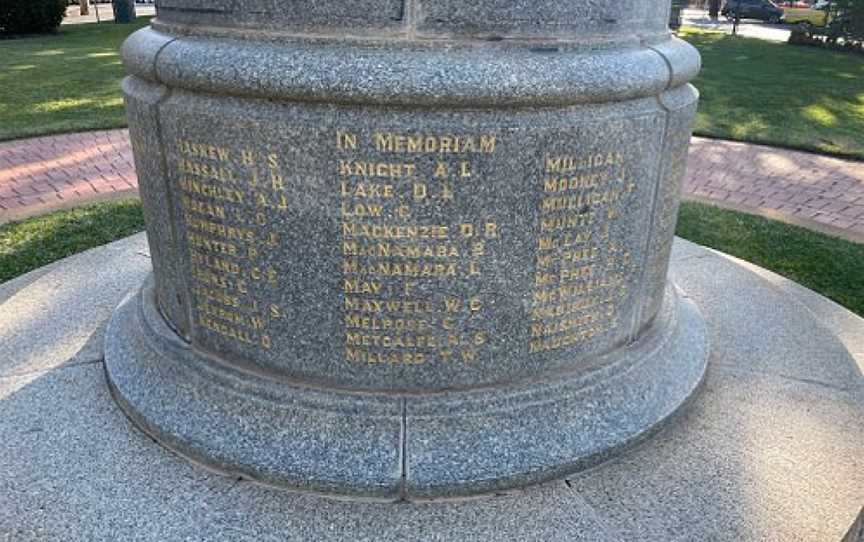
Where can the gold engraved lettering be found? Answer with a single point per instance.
(420, 191)
(446, 192)
(563, 341)
(569, 291)
(393, 250)
(580, 201)
(566, 221)
(399, 325)
(232, 233)
(232, 317)
(581, 181)
(205, 190)
(361, 210)
(217, 296)
(563, 309)
(206, 171)
(468, 355)
(359, 168)
(388, 231)
(385, 255)
(390, 341)
(546, 329)
(277, 181)
(391, 306)
(215, 263)
(356, 355)
(211, 245)
(579, 277)
(204, 208)
(400, 269)
(571, 163)
(362, 287)
(248, 157)
(366, 190)
(442, 144)
(345, 140)
(214, 183)
(221, 328)
(200, 150)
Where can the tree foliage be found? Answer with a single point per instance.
(31, 16)
(846, 21)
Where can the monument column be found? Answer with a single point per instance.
(407, 249)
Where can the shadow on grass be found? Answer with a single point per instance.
(35, 242)
(827, 265)
(775, 93)
(69, 81)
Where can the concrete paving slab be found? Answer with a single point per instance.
(73, 468)
(50, 317)
(756, 458)
(758, 328)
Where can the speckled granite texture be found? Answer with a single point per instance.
(408, 250)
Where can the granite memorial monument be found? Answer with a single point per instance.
(407, 249)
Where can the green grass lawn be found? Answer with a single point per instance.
(35, 242)
(824, 264)
(830, 266)
(65, 82)
(779, 94)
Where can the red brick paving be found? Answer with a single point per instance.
(803, 187)
(49, 172)
(45, 173)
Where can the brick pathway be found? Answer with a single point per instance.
(820, 192)
(46, 173)
(816, 191)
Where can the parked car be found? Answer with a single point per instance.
(764, 10)
(816, 15)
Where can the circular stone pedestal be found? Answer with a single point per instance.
(407, 250)
(390, 446)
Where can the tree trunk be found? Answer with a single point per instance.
(714, 9)
(124, 10)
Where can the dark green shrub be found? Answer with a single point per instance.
(31, 16)
(847, 21)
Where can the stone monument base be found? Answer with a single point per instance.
(399, 447)
(769, 449)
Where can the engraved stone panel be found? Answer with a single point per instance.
(461, 254)
(283, 14)
(573, 20)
